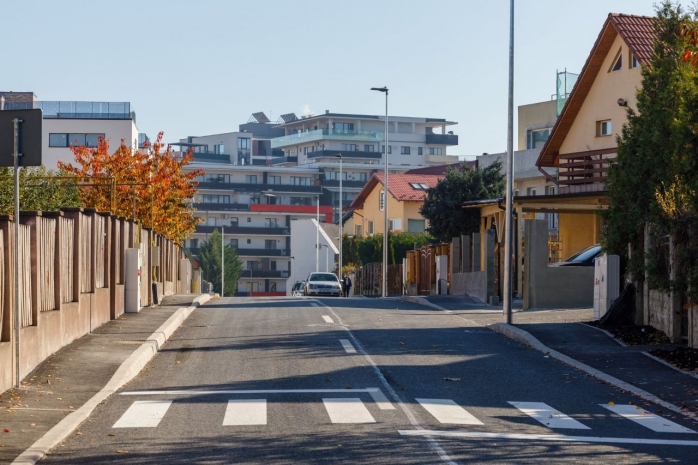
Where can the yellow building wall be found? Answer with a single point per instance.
(372, 212)
(411, 212)
(535, 114)
(601, 103)
(578, 231)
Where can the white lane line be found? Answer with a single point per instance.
(448, 412)
(314, 304)
(547, 415)
(647, 419)
(350, 410)
(545, 437)
(433, 444)
(327, 318)
(347, 346)
(380, 399)
(246, 412)
(194, 392)
(143, 414)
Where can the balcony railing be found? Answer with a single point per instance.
(254, 188)
(349, 184)
(345, 154)
(264, 274)
(326, 134)
(585, 171)
(210, 206)
(244, 230)
(442, 139)
(211, 157)
(263, 252)
(76, 110)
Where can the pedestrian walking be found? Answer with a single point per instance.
(346, 283)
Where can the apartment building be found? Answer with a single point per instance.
(68, 124)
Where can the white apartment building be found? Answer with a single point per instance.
(75, 123)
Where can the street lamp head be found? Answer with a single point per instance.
(380, 89)
(339, 155)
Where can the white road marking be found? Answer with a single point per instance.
(350, 410)
(143, 414)
(548, 416)
(194, 392)
(647, 419)
(314, 304)
(327, 318)
(380, 399)
(544, 437)
(246, 412)
(448, 412)
(347, 346)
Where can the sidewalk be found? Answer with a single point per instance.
(561, 331)
(71, 377)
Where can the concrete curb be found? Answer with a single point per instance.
(663, 362)
(524, 337)
(618, 341)
(125, 373)
(422, 301)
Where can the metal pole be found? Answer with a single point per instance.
(385, 205)
(18, 313)
(222, 260)
(317, 237)
(341, 205)
(327, 258)
(510, 176)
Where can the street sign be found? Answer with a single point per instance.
(30, 137)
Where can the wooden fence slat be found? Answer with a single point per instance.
(47, 257)
(25, 277)
(86, 255)
(2, 280)
(67, 265)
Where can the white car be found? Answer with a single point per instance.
(319, 284)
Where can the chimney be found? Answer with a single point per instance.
(327, 112)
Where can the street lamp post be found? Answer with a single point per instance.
(222, 260)
(384, 284)
(317, 236)
(341, 205)
(509, 227)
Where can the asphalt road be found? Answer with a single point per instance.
(297, 380)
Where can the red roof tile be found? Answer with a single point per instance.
(399, 187)
(637, 32)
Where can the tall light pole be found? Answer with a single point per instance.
(384, 284)
(317, 236)
(341, 206)
(510, 175)
(222, 260)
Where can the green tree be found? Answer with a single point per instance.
(210, 261)
(443, 204)
(655, 176)
(40, 189)
(359, 251)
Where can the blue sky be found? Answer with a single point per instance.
(203, 67)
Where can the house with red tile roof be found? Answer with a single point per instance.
(406, 194)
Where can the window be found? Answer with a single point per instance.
(617, 61)
(211, 221)
(370, 228)
(358, 230)
(404, 150)
(390, 149)
(301, 201)
(416, 226)
(251, 178)
(334, 175)
(300, 181)
(270, 244)
(233, 222)
(420, 151)
(249, 241)
(217, 178)
(219, 149)
(92, 140)
(420, 186)
(249, 220)
(233, 243)
(343, 127)
(193, 243)
(395, 225)
(274, 180)
(361, 176)
(58, 140)
(633, 61)
(381, 200)
(76, 140)
(213, 198)
(603, 128)
(436, 151)
(243, 143)
(535, 138)
(530, 191)
(369, 148)
(271, 223)
(272, 267)
(350, 147)
(251, 265)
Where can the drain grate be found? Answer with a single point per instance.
(330, 324)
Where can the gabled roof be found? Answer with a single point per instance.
(638, 33)
(440, 170)
(400, 187)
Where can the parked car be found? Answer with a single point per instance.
(298, 289)
(584, 258)
(323, 284)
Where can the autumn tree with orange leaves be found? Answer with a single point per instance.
(149, 185)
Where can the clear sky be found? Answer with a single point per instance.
(203, 67)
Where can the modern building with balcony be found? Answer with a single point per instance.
(68, 124)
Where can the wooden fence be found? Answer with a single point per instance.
(367, 280)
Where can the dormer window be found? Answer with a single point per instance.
(617, 62)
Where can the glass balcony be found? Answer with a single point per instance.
(326, 134)
(244, 230)
(76, 110)
(442, 139)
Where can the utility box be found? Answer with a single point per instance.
(442, 274)
(133, 263)
(606, 283)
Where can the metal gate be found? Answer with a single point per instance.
(424, 275)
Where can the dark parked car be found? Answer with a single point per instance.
(298, 289)
(584, 258)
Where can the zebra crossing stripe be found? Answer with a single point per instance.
(548, 416)
(143, 414)
(246, 412)
(347, 410)
(646, 419)
(348, 348)
(327, 318)
(448, 412)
